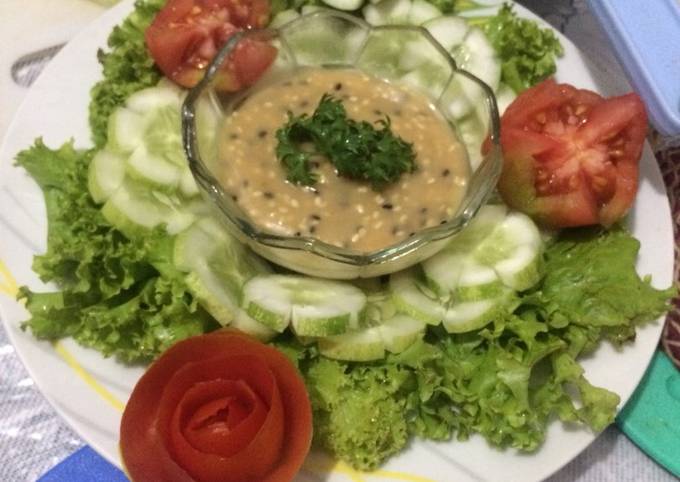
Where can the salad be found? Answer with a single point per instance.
(504, 364)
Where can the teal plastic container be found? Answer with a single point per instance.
(651, 418)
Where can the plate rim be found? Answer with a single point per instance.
(118, 13)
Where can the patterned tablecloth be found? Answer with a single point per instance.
(33, 438)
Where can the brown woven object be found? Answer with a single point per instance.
(669, 163)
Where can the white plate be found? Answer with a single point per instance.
(89, 391)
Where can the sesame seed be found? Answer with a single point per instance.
(387, 206)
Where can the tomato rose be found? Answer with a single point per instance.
(185, 35)
(221, 407)
(571, 156)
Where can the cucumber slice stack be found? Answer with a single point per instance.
(141, 177)
(475, 278)
(217, 266)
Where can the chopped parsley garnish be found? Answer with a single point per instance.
(358, 150)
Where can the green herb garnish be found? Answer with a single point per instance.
(358, 150)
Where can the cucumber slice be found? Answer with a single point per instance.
(477, 55)
(153, 169)
(283, 18)
(152, 98)
(243, 322)
(218, 266)
(504, 97)
(412, 297)
(187, 183)
(347, 5)
(307, 9)
(476, 282)
(445, 268)
(514, 251)
(314, 307)
(387, 12)
(473, 315)
(125, 130)
(105, 174)
(448, 30)
(135, 209)
(473, 132)
(400, 332)
(364, 345)
(421, 12)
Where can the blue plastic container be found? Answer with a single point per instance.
(645, 36)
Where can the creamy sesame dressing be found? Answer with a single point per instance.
(337, 210)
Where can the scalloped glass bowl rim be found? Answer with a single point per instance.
(489, 169)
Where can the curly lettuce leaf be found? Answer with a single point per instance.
(527, 51)
(127, 67)
(113, 295)
(590, 280)
(506, 381)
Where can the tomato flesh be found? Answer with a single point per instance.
(186, 34)
(221, 407)
(571, 156)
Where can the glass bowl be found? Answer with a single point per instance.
(332, 39)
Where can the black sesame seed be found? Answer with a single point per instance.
(268, 194)
(298, 233)
(315, 217)
(423, 210)
(312, 229)
(443, 221)
(315, 164)
(338, 86)
(446, 172)
(234, 197)
(387, 206)
(233, 136)
(411, 234)
(262, 134)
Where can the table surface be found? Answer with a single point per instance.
(32, 436)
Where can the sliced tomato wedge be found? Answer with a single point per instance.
(571, 157)
(221, 407)
(185, 36)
